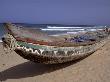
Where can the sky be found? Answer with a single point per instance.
(76, 12)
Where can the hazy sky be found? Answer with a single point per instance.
(96, 12)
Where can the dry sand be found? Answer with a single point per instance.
(95, 68)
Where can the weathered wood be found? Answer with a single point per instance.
(45, 53)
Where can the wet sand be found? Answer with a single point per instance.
(94, 68)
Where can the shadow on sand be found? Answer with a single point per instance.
(30, 69)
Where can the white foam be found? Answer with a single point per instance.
(61, 29)
(93, 29)
(0, 40)
(52, 27)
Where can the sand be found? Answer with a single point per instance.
(94, 68)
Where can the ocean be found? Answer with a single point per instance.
(54, 29)
(1, 31)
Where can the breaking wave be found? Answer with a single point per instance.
(0, 40)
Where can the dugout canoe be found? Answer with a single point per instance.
(38, 46)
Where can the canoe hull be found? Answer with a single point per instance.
(49, 54)
(49, 59)
(61, 58)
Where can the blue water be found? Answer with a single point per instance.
(1, 31)
(56, 28)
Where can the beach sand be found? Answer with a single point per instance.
(94, 68)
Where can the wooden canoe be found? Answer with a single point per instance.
(37, 46)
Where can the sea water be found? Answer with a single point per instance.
(54, 29)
